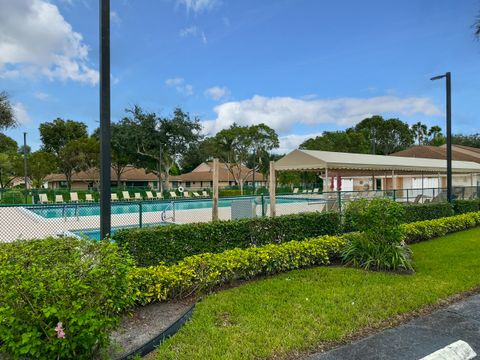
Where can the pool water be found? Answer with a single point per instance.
(73, 210)
(94, 234)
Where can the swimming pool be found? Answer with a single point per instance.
(55, 211)
(94, 234)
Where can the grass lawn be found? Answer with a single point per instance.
(300, 310)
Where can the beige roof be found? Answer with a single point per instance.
(459, 152)
(130, 174)
(317, 160)
(204, 172)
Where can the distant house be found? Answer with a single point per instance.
(83, 180)
(202, 177)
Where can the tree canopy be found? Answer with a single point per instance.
(7, 114)
(56, 134)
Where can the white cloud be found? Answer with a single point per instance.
(21, 113)
(193, 31)
(198, 6)
(35, 40)
(180, 85)
(282, 113)
(217, 92)
(293, 141)
(41, 95)
(115, 18)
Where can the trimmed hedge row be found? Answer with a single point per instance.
(170, 244)
(205, 271)
(420, 212)
(428, 229)
(466, 206)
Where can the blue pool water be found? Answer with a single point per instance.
(74, 210)
(94, 234)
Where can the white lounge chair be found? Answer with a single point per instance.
(315, 191)
(205, 194)
(43, 199)
(149, 195)
(304, 191)
(126, 196)
(173, 195)
(138, 196)
(196, 194)
(73, 197)
(114, 197)
(59, 199)
(186, 194)
(295, 190)
(89, 198)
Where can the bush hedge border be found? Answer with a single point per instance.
(200, 273)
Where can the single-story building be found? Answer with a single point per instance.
(200, 178)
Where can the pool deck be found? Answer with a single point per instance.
(17, 222)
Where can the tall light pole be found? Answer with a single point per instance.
(105, 160)
(447, 77)
(25, 162)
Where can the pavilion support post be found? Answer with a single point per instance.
(325, 183)
(422, 185)
(373, 182)
(215, 190)
(273, 183)
(439, 182)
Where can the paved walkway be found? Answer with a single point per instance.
(419, 337)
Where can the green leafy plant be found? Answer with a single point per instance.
(466, 206)
(60, 297)
(203, 272)
(170, 244)
(380, 245)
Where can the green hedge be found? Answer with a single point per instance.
(465, 206)
(169, 244)
(205, 271)
(428, 229)
(420, 212)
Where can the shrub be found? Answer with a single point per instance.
(169, 244)
(379, 246)
(364, 253)
(428, 229)
(60, 297)
(465, 206)
(420, 212)
(413, 212)
(205, 271)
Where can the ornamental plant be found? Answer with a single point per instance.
(380, 245)
(61, 297)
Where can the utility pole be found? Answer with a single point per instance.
(25, 162)
(105, 160)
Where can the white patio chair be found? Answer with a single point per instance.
(138, 196)
(205, 194)
(73, 197)
(173, 195)
(196, 194)
(43, 199)
(186, 194)
(114, 197)
(126, 196)
(89, 198)
(59, 199)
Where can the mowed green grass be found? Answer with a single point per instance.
(299, 310)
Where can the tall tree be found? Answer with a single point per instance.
(56, 134)
(78, 155)
(40, 164)
(162, 142)
(7, 144)
(235, 145)
(394, 136)
(7, 114)
(371, 128)
(10, 167)
(420, 132)
(341, 141)
(435, 136)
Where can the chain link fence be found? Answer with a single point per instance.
(53, 214)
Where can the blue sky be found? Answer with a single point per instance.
(301, 66)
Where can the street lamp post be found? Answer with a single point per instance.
(447, 77)
(105, 160)
(25, 162)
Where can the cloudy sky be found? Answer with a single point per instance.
(300, 66)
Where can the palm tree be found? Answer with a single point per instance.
(419, 132)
